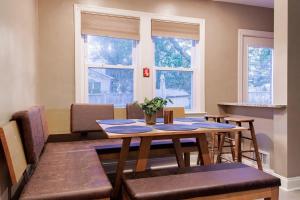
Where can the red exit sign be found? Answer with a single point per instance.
(146, 72)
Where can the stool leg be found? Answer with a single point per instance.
(213, 145)
(220, 148)
(253, 136)
(238, 145)
(231, 148)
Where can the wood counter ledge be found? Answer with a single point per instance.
(275, 106)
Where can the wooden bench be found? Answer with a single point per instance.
(233, 181)
(72, 173)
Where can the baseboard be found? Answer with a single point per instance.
(287, 184)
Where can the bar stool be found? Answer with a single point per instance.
(238, 141)
(216, 137)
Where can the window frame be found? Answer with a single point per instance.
(87, 65)
(242, 82)
(194, 66)
(144, 56)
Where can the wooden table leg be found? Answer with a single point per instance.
(178, 152)
(143, 156)
(203, 148)
(120, 167)
(220, 148)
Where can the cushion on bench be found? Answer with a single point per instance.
(57, 147)
(171, 184)
(69, 175)
(134, 145)
(32, 132)
(84, 116)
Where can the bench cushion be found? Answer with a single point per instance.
(134, 145)
(58, 147)
(68, 175)
(84, 116)
(171, 184)
(32, 132)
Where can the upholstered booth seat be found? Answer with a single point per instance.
(200, 181)
(135, 145)
(60, 171)
(68, 175)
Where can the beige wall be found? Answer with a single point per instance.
(222, 23)
(18, 64)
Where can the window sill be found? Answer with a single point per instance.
(273, 106)
(195, 114)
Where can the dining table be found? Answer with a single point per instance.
(127, 130)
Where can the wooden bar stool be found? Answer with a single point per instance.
(238, 141)
(216, 137)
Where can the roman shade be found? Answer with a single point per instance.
(110, 25)
(175, 29)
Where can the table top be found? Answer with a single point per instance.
(162, 133)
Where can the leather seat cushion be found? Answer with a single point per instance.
(171, 184)
(56, 147)
(68, 175)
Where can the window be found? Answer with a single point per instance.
(174, 71)
(110, 70)
(260, 75)
(116, 45)
(256, 67)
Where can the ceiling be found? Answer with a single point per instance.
(260, 3)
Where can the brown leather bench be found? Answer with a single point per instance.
(221, 181)
(62, 171)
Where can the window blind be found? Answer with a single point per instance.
(175, 29)
(110, 25)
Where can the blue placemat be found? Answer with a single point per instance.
(175, 127)
(116, 121)
(190, 119)
(128, 129)
(158, 120)
(213, 125)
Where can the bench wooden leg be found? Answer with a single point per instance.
(274, 194)
(187, 159)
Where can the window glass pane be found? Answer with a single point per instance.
(176, 85)
(111, 51)
(260, 75)
(110, 86)
(172, 52)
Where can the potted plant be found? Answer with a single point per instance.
(151, 107)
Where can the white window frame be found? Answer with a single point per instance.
(241, 34)
(143, 87)
(106, 66)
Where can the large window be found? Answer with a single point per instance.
(110, 70)
(116, 45)
(174, 71)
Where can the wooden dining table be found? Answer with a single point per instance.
(145, 143)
